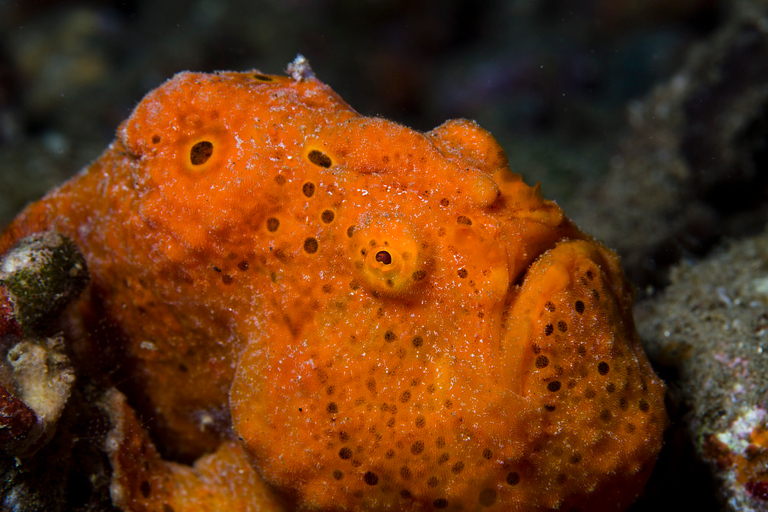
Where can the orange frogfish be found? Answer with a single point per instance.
(371, 317)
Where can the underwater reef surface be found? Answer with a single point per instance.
(707, 334)
(684, 178)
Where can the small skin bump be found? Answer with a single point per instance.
(393, 320)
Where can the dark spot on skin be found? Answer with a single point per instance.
(280, 179)
(462, 273)
(461, 219)
(562, 326)
(272, 224)
(421, 422)
(216, 269)
(310, 245)
(549, 307)
(183, 368)
(417, 447)
(432, 482)
(350, 231)
(444, 202)
(549, 408)
(579, 306)
(345, 453)
(549, 329)
(332, 408)
(319, 158)
(419, 275)
(155, 139)
(327, 216)
(487, 497)
(487, 454)
(308, 189)
(513, 478)
(440, 503)
(243, 265)
(542, 361)
(405, 396)
(603, 368)
(384, 257)
(554, 386)
(337, 475)
(644, 406)
(201, 152)
(145, 489)
(417, 341)
(263, 78)
(370, 478)
(227, 279)
(457, 468)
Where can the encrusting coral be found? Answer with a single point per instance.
(381, 318)
(38, 279)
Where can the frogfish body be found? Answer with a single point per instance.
(383, 319)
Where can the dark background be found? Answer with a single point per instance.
(550, 79)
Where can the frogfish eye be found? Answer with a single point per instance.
(384, 257)
(388, 257)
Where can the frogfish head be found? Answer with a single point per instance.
(419, 329)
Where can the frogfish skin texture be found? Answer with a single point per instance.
(383, 319)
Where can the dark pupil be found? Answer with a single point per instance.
(384, 257)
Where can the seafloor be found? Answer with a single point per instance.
(647, 121)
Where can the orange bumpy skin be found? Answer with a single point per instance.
(393, 319)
